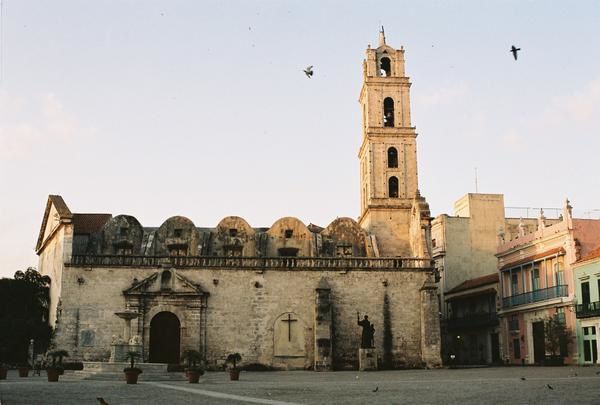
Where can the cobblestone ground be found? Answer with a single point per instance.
(464, 386)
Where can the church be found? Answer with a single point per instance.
(285, 296)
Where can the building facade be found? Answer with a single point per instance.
(464, 247)
(285, 296)
(586, 274)
(536, 280)
(472, 323)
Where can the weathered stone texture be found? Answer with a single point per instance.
(242, 311)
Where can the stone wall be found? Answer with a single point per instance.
(245, 310)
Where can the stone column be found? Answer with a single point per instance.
(430, 325)
(323, 319)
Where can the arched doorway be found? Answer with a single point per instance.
(165, 336)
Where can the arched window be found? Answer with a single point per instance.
(385, 67)
(388, 112)
(393, 187)
(392, 157)
(165, 280)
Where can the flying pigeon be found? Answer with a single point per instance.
(308, 71)
(549, 387)
(376, 389)
(514, 51)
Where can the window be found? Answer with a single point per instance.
(385, 67)
(516, 349)
(560, 277)
(535, 279)
(392, 157)
(513, 323)
(585, 293)
(177, 233)
(388, 112)
(289, 233)
(233, 232)
(433, 243)
(515, 284)
(560, 315)
(393, 187)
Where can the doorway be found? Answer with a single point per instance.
(539, 344)
(165, 336)
(495, 348)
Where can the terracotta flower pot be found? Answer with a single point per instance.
(131, 375)
(23, 371)
(194, 376)
(3, 373)
(53, 374)
(234, 374)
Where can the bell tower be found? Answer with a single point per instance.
(388, 153)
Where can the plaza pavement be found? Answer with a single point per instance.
(461, 386)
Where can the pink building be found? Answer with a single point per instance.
(536, 285)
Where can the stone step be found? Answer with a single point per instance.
(114, 372)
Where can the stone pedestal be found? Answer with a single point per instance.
(367, 359)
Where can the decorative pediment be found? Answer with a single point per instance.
(56, 213)
(165, 282)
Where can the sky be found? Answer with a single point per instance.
(201, 108)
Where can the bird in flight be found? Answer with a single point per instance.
(549, 387)
(376, 389)
(308, 71)
(514, 51)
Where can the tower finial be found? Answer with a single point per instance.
(381, 37)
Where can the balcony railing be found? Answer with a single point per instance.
(255, 263)
(473, 321)
(587, 310)
(535, 296)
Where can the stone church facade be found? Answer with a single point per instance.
(286, 296)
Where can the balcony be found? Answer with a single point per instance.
(535, 296)
(255, 263)
(587, 310)
(478, 320)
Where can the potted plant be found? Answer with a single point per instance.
(234, 371)
(132, 373)
(194, 369)
(23, 369)
(55, 368)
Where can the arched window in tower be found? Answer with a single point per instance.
(392, 157)
(393, 187)
(385, 67)
(388, 112)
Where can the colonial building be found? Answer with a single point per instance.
(536, 280)
(285, 296)
(472, 322)
(586, 274)
(464, 246)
